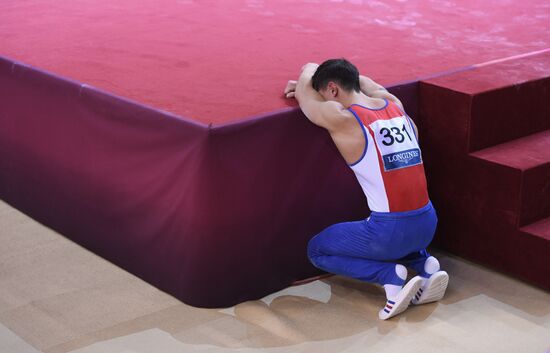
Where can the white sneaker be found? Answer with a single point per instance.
(402, 301)
(433, 290)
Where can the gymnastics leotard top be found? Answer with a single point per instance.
(390, 171)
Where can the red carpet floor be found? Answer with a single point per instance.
(221, 61)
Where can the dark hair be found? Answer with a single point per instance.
(339, 71)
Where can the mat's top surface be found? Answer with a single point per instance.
(220, 61)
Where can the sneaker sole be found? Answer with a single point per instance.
(403, 300)
(434, 289)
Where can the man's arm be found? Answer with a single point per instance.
(375, 90)
(326, 114)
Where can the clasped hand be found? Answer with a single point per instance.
(290, 89)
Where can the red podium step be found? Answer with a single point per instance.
(487, 131)
(540, 229)
(528, 161)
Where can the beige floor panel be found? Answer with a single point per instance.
(10, 342)
(56, 297)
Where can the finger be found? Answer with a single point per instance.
(291, 95)
(290, 88)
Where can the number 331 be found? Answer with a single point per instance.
(397, 136)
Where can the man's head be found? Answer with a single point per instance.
(336, 78)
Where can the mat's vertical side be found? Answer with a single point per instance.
(276, 182)
(121, 179)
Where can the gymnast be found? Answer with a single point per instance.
(379, 142)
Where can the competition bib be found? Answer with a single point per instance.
(397, 143)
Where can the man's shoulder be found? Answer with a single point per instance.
(336, 110)
(335, 114)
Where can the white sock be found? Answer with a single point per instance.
(431, 266)
(392, 290)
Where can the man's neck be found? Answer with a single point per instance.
(359, 98)
(354, 98)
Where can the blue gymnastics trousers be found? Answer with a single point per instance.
(369, 249)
